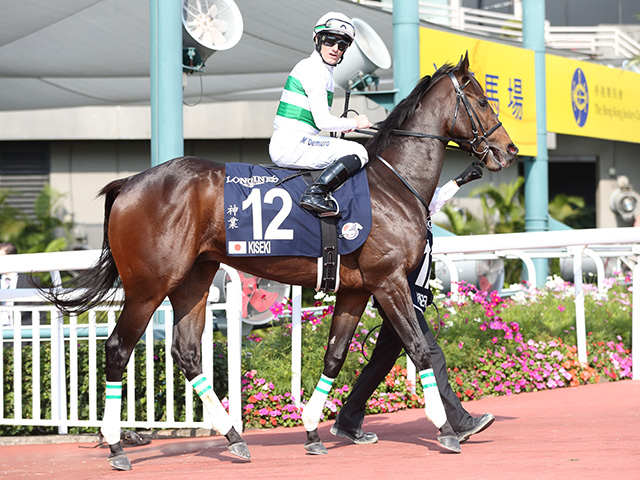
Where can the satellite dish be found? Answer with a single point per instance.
(208, 26)
(258, 296)
(366, 55)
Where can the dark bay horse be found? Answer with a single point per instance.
(164, 235)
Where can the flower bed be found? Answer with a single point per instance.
(493, 346)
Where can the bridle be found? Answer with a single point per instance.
(478, 139)
(475, 144)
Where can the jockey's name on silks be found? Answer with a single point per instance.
(264, 219)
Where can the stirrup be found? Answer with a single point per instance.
(319, 208)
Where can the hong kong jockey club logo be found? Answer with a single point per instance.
(350, 230)
(579, 97)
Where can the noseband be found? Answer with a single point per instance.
(478, 139)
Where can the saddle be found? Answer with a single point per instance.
(263, 218)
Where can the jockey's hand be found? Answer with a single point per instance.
(362, 121)
(472, 172)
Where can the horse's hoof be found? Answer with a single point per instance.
(240, 449)
(120, 461)
(316, 448)
(450, 442)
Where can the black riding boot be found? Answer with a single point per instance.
(318, 196)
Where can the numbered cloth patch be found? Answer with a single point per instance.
(265, 219)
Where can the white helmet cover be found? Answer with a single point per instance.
(335, 23)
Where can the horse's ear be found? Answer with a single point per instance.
(463, 64)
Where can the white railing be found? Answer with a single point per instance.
(91, 330)
(601, 41)
(621, 243)
(608, 42)
(571, 243)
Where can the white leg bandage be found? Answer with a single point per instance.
(313, 409)
(111, 421)
(219, 417)
(433, 407)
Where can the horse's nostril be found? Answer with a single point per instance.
(512, 149)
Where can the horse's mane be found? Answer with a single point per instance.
(403, 111)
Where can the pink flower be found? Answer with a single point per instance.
(561, 308)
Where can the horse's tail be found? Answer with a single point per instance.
(95, 285)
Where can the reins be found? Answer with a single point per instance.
(471, 113)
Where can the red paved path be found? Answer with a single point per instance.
(589, 432)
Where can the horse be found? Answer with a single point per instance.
(164, 236)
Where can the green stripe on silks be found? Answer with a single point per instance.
(114, 397)
(294, 85)
(294, 112)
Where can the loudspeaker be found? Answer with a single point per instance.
(360, 60)
(208, 26)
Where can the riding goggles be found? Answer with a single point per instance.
(331, 40)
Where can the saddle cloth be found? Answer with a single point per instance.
(264, 219)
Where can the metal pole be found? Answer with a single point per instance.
(536, 169)
(406, 47)
(166, 81)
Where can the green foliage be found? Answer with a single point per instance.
(502, 206)
(461, 222)
(44, 232)
(84, 375)
(269, 355)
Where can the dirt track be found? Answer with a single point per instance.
(589, 432)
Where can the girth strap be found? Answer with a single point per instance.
(329, 264)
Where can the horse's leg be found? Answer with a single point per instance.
(189, 301)
(132, 322)
(347, 313)
(395, 299)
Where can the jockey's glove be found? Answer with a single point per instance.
(472, 172)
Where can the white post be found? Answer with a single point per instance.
(517, 9)
(526, 260)
(296, 343)
(581, 331)
(411, 374)
(58, 374)
(234, 342)
(635, 319)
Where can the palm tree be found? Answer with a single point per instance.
(502, 206)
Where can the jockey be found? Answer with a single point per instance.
(304, 111)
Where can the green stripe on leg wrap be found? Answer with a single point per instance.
(324, 384)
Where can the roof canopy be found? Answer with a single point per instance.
(67, 53)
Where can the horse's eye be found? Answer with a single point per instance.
(483, 103)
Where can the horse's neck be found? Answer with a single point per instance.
(419, 164)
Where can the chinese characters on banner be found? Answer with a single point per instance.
(505, 72)
(582, 98)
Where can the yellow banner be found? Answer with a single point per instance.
(592, 100)
(506, 73)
